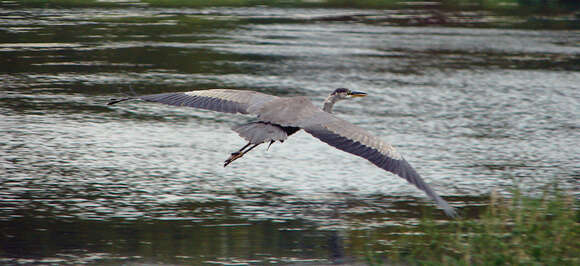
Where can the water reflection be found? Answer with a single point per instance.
(170, 242)
(143, 183)
(210, 232)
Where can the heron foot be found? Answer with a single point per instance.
(233, 157)
(238, 154)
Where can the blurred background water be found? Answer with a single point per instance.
(473, 104)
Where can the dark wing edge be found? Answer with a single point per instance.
(399, 167)
(116, 101)
(220, 100)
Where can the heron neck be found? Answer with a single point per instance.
(329, 103)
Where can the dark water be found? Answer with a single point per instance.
(473, 109)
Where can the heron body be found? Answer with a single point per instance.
(260, 132)
(280, 117)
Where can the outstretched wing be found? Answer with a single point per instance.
(352, 139)
(221, 100)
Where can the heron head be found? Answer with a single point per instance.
(342, 93)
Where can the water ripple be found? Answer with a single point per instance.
(474, 110)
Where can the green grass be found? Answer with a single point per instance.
(520, 230)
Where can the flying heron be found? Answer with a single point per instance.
(280, 117)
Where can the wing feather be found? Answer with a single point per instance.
(352, 139)
(221, 100)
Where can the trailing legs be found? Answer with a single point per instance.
(238, 154)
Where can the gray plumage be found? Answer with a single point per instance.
(260, 132)
(280, 117)
(228, 101)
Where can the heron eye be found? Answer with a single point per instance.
(340, 90)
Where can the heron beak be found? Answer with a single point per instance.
(357, 94)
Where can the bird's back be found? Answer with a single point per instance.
(287, 111)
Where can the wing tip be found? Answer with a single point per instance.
(451, 212)
(115, 101)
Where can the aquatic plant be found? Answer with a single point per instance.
(515, 230)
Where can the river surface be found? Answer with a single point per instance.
(473, 109)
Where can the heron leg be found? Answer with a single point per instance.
(238, 154)
(240, 150)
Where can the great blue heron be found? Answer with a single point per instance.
(280, 117)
